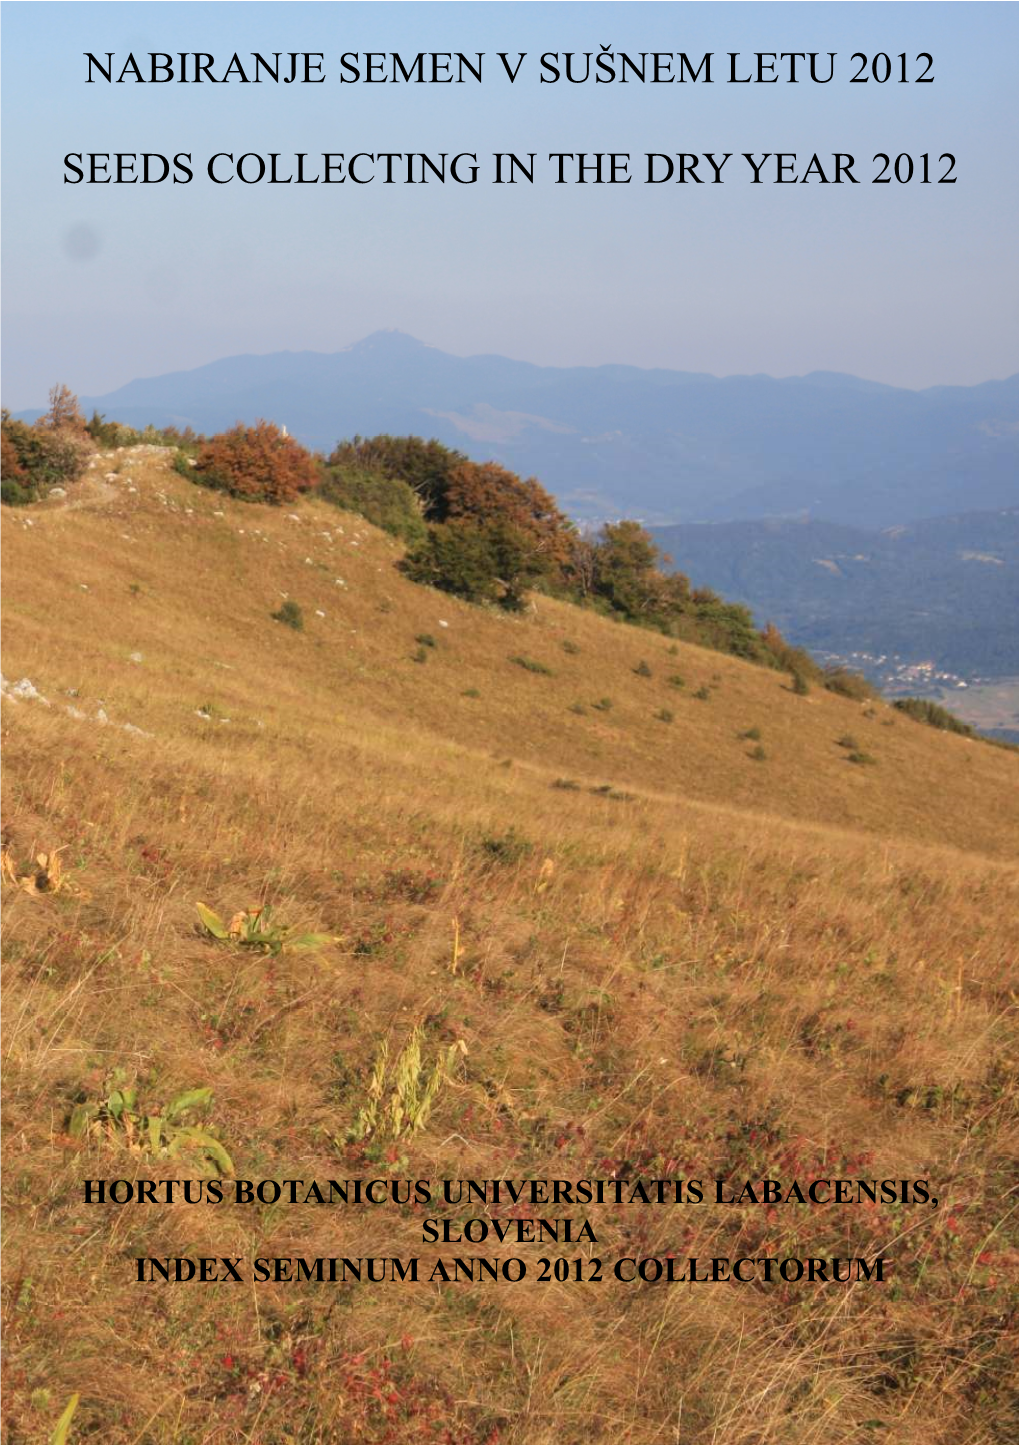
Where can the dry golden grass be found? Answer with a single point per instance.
(790, 968)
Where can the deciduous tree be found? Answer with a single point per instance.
(257, 463)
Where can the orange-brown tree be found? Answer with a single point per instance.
(486, 493)
(10, 463)
(257, 463)
(64, 413)
(54, 451)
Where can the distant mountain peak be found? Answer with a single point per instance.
(390, 340)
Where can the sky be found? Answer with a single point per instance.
(909, 284)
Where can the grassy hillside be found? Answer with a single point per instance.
(667, 948)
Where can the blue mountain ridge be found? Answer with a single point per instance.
(613, 440)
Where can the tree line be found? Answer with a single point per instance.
(472, 529)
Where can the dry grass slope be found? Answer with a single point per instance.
(663, 955)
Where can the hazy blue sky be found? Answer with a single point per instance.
(909, 284)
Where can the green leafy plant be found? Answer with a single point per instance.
(254, 928)
(642, 669)
(571, 648)
(702, 694)
(664, 715)
(604, 704)
(402, 1095)
(923, 710)
(676, 681)
(752, 735)
(863, 759)
(162, 1133)
(800, 684)
(425, 639)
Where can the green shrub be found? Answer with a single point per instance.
(570, 647)
(65, 456)
(14, 494)
(578, 708)
(642, 670)
(471, 692)
(758, 754)
(383, 500)
(623, 563)
(112, 434)
(726, 626)
(423, 466)
(753, 735)
(491, 535)
(676, 681)
(290, 615)
(103, 432)
(530, 665)
(567, 785)
(923, 710)
(848, 684)
(783, 655)
(848, 741)
(604, 704)
(702, 694)
(509, 847)
(420, 654)
(801, 665)
(664, 715)
(456, 559)
(863, 759)
(481, 562)
(425, 639)
(38, 457)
